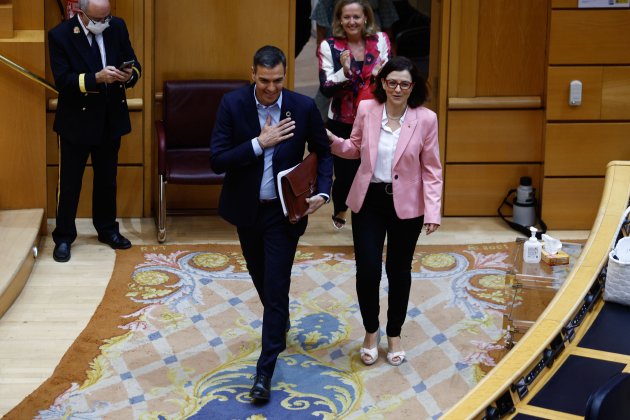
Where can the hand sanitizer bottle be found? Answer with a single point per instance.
(532, 248)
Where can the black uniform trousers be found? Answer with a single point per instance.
(377, 219)
(269, 249)
(72, 161)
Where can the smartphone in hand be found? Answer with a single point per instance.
(126, 65)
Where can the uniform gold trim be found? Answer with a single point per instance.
(82, 82)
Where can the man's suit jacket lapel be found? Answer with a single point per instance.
(406, 131)
(80, 41)
(286, 110)
(250, 114)
(108, 40)
(251, 125)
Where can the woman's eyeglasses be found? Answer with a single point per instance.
(404, 85)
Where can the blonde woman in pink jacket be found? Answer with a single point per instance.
(397, 191)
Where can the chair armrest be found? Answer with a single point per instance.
(160, 133)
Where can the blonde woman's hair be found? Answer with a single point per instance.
(370, 27)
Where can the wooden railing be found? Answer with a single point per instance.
(27, 73)
(537, 346)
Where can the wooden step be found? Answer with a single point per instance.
(19, 239)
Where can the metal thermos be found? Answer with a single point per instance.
(524, 205)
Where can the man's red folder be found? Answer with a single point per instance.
(296, 185)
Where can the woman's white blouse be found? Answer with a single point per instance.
(386, 148)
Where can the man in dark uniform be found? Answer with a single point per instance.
(87, 53)
(261, 130)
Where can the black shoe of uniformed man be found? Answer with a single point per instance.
(262, 388)
(115, 240)
(62, 252)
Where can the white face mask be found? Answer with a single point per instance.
(97, 27)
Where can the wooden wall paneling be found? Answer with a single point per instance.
(148, 77)
(584, 149)
(130, 147)
(443, 70)
(495, 136)
(478, 190)
(454, 18)
(23, 122)
(290, 52)
(564, 4)
(511, 47)
(496, 102)
(589, 37)
(6, 20)
(133, 14)
(128, 201)
(216, 39)
(571, 203)
(462, 67)
(28, 15)
(136, 147)
(52, 149)
(558, 79)
(435, 55)
(191, 197)
(52, 17)
(616, 93)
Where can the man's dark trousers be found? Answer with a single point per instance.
(72, 161)
(269, 249)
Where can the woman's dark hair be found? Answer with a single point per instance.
(269, 57)
(419, 91)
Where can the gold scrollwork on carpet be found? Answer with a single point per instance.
(438, 262)
(144, 282)
(490, 288)
(212, 260)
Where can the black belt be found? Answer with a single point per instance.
(382, 187)
(267, 201)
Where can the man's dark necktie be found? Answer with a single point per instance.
(96, 53)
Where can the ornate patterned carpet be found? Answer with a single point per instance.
(178, 332)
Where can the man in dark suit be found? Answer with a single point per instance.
(92, 115)
(261, 130)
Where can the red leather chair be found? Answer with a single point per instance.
(184, 133)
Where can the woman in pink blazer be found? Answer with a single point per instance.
(397, 190)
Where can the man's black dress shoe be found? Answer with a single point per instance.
(62, 252)
(262, 388)
(115, 240)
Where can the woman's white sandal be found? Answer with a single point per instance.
(369, 356)
(396, 358)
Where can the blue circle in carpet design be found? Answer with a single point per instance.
(302, 387)
(316, 330)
